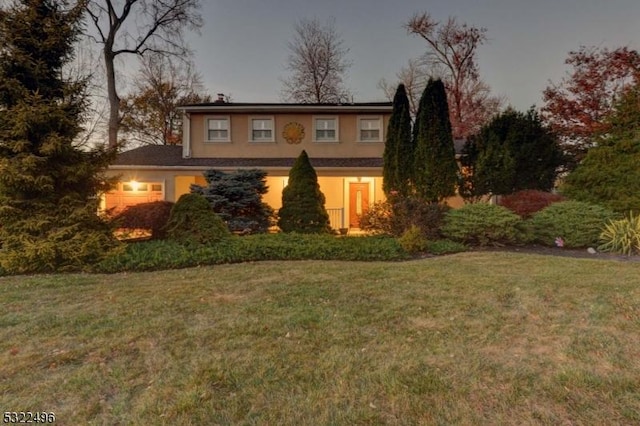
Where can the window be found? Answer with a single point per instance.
(218, 130)
(262, 130)
(369, 129)
(325, 129)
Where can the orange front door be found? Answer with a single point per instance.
(358, 202)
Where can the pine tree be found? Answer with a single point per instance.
(48, 186)
(237, 199)
(435, 171)
(302, 201)
(399, 148)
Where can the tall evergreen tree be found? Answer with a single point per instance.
(302, 201)
(513, 152)
(399, 148)
(435, 171)
(48, 186)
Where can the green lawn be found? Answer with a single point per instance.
(473, 338)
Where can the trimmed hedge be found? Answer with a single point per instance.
(159, 255)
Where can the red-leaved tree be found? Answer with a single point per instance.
(576, 108)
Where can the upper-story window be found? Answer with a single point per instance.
(218, 129)
(370, 129)
(325, 129)
(261, 130)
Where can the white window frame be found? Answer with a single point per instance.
(377, 118)
(271, 119)
(220, 118)
(315, 128)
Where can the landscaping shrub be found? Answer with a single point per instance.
(482, 224)
(440, 247)
(237, 198)
(428, 217)
(167, 254)
(577, 223)
(152, 216)
(303, 207)
(413, 241)
(377, 219)
(529, 201)
(622, 236)
(193, 221)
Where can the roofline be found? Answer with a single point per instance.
(200, 168)
(377, 107)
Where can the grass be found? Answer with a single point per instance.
(474, 338)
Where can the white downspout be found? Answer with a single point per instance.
(186, 135)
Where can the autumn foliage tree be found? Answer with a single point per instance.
(150, 113)
(451, 56)
(576, 108)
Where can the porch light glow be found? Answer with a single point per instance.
(135, 185)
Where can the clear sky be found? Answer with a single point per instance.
(242, 48)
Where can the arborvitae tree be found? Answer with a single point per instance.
(302, 201)
(237, 198)
(609, 173)
(48, 186)
(512, 153)
(399, 148)
(435, 171)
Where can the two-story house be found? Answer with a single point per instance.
(345, 143)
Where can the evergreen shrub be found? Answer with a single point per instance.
(237, 198)
(193, 221)
(302, 201)
(482, 224)
(413, 241)
(577, 223)
(168, 254)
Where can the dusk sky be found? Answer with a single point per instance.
(242, 48)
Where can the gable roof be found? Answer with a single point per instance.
(171, 156)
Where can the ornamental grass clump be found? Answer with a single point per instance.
(622, 236)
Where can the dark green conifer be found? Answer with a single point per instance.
(399, 148)
(435, 171)
(49, 187)
(302, 201)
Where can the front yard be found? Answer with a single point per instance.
(472, 338)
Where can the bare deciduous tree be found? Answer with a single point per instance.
(149, 114)
(414, 77)
(451, 56)
(137, 27)
(317, 63)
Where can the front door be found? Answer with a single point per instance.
(358, 202)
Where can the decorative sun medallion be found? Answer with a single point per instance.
(293, 133)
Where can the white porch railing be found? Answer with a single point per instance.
(336, 218)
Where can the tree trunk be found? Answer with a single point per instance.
(114, 100)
